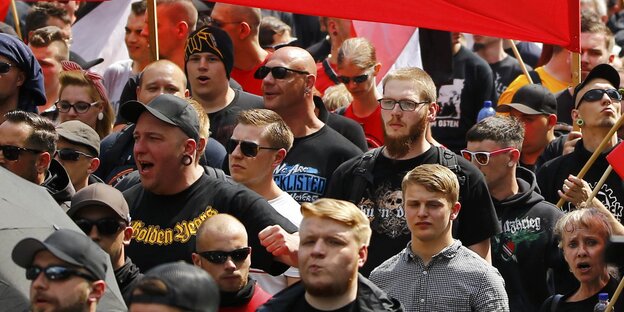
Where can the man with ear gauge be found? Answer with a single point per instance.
(597, 108)
(527, 220)
(176, 195)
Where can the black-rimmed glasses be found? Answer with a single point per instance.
(405, 105)
(79, 107)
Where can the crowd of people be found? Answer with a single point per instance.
(263, 164)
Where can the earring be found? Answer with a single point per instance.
(100, 116)
(580, 122)
(510, 164)
(187, 160)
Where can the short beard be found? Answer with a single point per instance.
(397, 147)
(327, 291)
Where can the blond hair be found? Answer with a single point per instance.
(277, 133)
(435, 178)
(343, 212)
(587, 218)
(336, 97)
(359, 51)
(418, 77)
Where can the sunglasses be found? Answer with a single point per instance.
(71, 155)
(405, 105)
(596, 94)
(5, 67)
(249, 149)
(357, 79)
(219, 257)
(278, 72)
(108, 226)
(79, 107)
(56, 273)
(483, 158)
(219, 24)
(12, 153)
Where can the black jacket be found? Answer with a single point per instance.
(58, 184)
(127, 276)
(349, 128)
(370, 298)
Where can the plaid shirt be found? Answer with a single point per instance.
(456, 279)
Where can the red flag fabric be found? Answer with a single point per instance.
(616, 159)
(4, 9)
(553, 21)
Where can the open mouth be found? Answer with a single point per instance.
(203, 79)
(583, 266)
(145, 166)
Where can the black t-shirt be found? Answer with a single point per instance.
(553, 150)
(302, 305)
(165, 225)
(505, 72)
(223, 122)
(461, 99)
(310, 163)
(382, 202)
(584, 305)
(565, 104)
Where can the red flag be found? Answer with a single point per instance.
(4, 8)
(616, 159)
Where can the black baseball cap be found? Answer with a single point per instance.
(167, 108)
(604, 71)
(187, 287)
(70, 246)
(100, 194)
(532, 99)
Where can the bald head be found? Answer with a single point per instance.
(251, 16)
(217, 228)
(297, 58)
(180, 11)
(161, 77)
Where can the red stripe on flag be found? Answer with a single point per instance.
(4, 9)
(616, 159)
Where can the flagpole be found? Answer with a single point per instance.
(576, 79)
(604, 177)
(152, 21)
(16, 20)
(615, 296)
(519, 58)
(596, 153)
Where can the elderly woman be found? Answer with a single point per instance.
(83, 97)
(357, 68)
(584, 234)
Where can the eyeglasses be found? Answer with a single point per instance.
(357, 79)
(56, 273)
(596, 94)
(12, 153)
(80, 107)
(107, 226)
(219, 257)
(405, 105)
(71, 155)
(483, 158)
(278, 72)
(5, 67)
(249, 149)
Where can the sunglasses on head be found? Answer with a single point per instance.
(278, 72)
(11, 152)
(5, 67)
(79, 107)
(219, 257)
(107, 226)
(405, 105)
(71, 155)
(357, 79)
(249, 149)
(596, 94)
(56, 273)
(483, 158)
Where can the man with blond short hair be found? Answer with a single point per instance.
(445, 276)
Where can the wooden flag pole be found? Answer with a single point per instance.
(16, 20)
(576, 79)
(152, 21)
(596, 153)
(604, 177)
(615, 296)
(519, 58)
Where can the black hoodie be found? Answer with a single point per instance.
(58, 184)
(526, 249)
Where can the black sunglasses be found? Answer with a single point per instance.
(596, 94)
(12, 153)
(71, 155)
(108, 226)
(278, 72)
(56, 273)
(5, 67)
(249, 149)
(219, 257)
(80, 107)
(405, 105)
(357, 79)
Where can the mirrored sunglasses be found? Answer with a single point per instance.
(106, 226)
(278, 72)
(71, 155)
(56, 273)
(79, 107)
(483, 158)
(249, 149)
(12, 153)
(219, 257)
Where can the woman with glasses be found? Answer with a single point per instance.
(83, 97)
(583, 235)
(357, 68)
